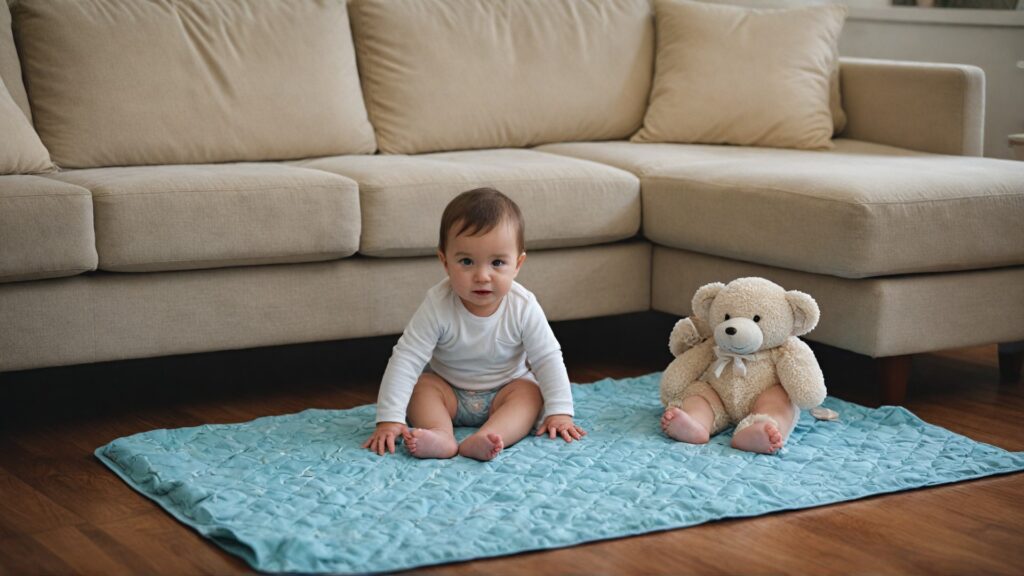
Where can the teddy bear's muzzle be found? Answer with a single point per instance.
(739, 336)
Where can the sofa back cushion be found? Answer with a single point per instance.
(127, 82)
(465, 74)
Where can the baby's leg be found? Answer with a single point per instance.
(770, 421)
(431, 410)
(513, 415)
(699, 415)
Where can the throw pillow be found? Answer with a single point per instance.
(733, 75)
(21, 151)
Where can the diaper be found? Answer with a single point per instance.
(474, 406)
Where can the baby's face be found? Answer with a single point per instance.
(481, 268)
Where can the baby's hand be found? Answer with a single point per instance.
(562, 425)
(383, 437)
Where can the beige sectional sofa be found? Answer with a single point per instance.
(236, 174)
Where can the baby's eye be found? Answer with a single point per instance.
(498, 263)
(757, 318)
(466, 261)
(726, 316)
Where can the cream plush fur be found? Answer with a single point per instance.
(741, 341)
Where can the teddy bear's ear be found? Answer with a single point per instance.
(805, 312)
(702, 300)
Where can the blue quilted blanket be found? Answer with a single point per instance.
(296, 493)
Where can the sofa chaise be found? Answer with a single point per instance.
(187, 176)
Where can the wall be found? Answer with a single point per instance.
(990, 39)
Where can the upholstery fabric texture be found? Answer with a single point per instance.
(735, 75)
(886, 316)
(297, 493)
(122, 82)
(55, 323)
(402, 197)
(464, 74)
(936, 108)
(10, 66)
(21, 151)
(156, 218)
(46, 230)
(856, 211)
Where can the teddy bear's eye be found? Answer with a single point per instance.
(726, 316)
(757, 318)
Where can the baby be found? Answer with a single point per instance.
(493, 360)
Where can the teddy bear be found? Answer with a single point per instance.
(739, 361)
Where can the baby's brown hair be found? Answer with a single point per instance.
(479, 211)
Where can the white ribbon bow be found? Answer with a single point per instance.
(724, 357)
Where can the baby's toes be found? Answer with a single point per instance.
(774, 437)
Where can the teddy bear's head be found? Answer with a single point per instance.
(751, 314)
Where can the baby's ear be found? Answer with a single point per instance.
(702, 300)
(805, 312)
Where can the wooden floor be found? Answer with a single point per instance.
(62, 512)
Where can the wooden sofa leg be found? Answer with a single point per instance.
(1011, 359)
(893, 374)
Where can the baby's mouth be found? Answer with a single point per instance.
(482, 292)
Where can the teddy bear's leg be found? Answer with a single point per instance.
(769, 423)
(695, 415)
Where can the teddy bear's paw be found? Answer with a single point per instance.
(762, 437)
(680, 426)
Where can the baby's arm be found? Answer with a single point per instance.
(408, 358)
(545, 357)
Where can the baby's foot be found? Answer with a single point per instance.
(760, 437)
(424, 443)
(682, 427)
(481, 447)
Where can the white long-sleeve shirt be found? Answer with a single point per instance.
(475, 353)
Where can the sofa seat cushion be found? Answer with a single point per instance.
(45, 229)
(856, 211)
(565, 201)
(154, 218)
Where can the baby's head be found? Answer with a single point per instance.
(477, 212)
(482, 248)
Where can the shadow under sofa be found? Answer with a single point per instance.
(907, 239)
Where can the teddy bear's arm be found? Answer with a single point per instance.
(800, 374)
(686, 334)
(686, 368)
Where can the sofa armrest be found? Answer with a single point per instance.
(937, 108)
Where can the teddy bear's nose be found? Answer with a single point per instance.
(730, 331)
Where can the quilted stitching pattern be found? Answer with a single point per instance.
(296, 493)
